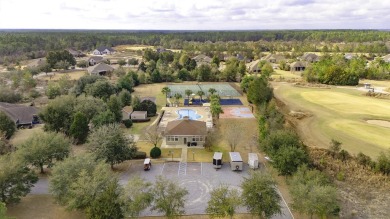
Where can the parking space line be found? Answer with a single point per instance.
(201, 168)
(162, 169)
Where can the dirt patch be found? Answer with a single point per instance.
(382, 123)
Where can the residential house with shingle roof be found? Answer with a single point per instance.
(100, 69)
(202, 59)
(298, 66)
(274, 58)
(93, 60)
(20, 114)
(185, 132)
(103, 50)
(310, 57)
(253, 66)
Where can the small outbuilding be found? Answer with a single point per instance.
(235, 161)
(298, 66)
(139, 115)
(126, 112)
(217, 160)
(253, 161)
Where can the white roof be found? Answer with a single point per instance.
(235, 157)
(253, 156)
(147, 161)
(217, 156)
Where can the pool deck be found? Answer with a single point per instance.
(171, 115)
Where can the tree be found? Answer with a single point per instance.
(287, 159)
(44, 149)
(126, 82)
(267, 70)
(312, 193)
(53, 90)
(215, 106)
(178, 96)
(166, 91)
(85, 183)
(107, 204)
(334, 147)
(200, 94)
(212, 91)
(260, 196)
(125, 97)
(58, 114)
(137, 196)
(232, 134)
(103, 118)
(121, 62)
(16, 179)
(383, 163)
(110, 144)
(259, 91)
(188, 94)
(79, 128)
(279, 139)
(101, 89)
(115, 106)
(7, 126)
(153, 136)
(215, 60)
(89, 106)
(82, 64)
(81, 84)
(169, 198)
(133, 61)
(53, 57)
(223, 202)
(120, 72)
(147, 105)
(3, 211)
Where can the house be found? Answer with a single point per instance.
(20, 114)
(186, 132)
(126, 112)
(103, 50)
(310, 57)
(202, 59)
(274, 58)
(253, 66)
(298, 66)
(100, 69)
(139, 115)
(75, 53)
(93, 60)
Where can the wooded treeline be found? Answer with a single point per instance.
(19, 45)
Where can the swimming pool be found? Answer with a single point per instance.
(188, 112)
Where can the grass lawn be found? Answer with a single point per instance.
(73, 76)
(340, 114)
(41, 206)
(23, 134)
(280, 75)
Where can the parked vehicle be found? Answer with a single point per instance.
(217, 160)
(147, 164)
(235, 161)
(253, 161)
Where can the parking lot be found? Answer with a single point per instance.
(198, 178)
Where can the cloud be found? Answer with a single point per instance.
(195, 14)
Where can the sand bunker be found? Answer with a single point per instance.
(382, 123)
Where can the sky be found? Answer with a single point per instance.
(194, 14)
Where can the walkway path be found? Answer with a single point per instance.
(184, 154)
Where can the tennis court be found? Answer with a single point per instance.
(223, 89)
(236, 113)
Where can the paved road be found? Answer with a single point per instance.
(198, 178)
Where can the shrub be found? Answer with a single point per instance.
(128, 123)
(340, 176)
(9, 96)
(140, 155)
(155, 152)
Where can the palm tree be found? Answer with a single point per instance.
(212, 91)
(200, 94)
(166, 91)
(188, 94)
(177, 97)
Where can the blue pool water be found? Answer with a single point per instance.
(188, 112)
